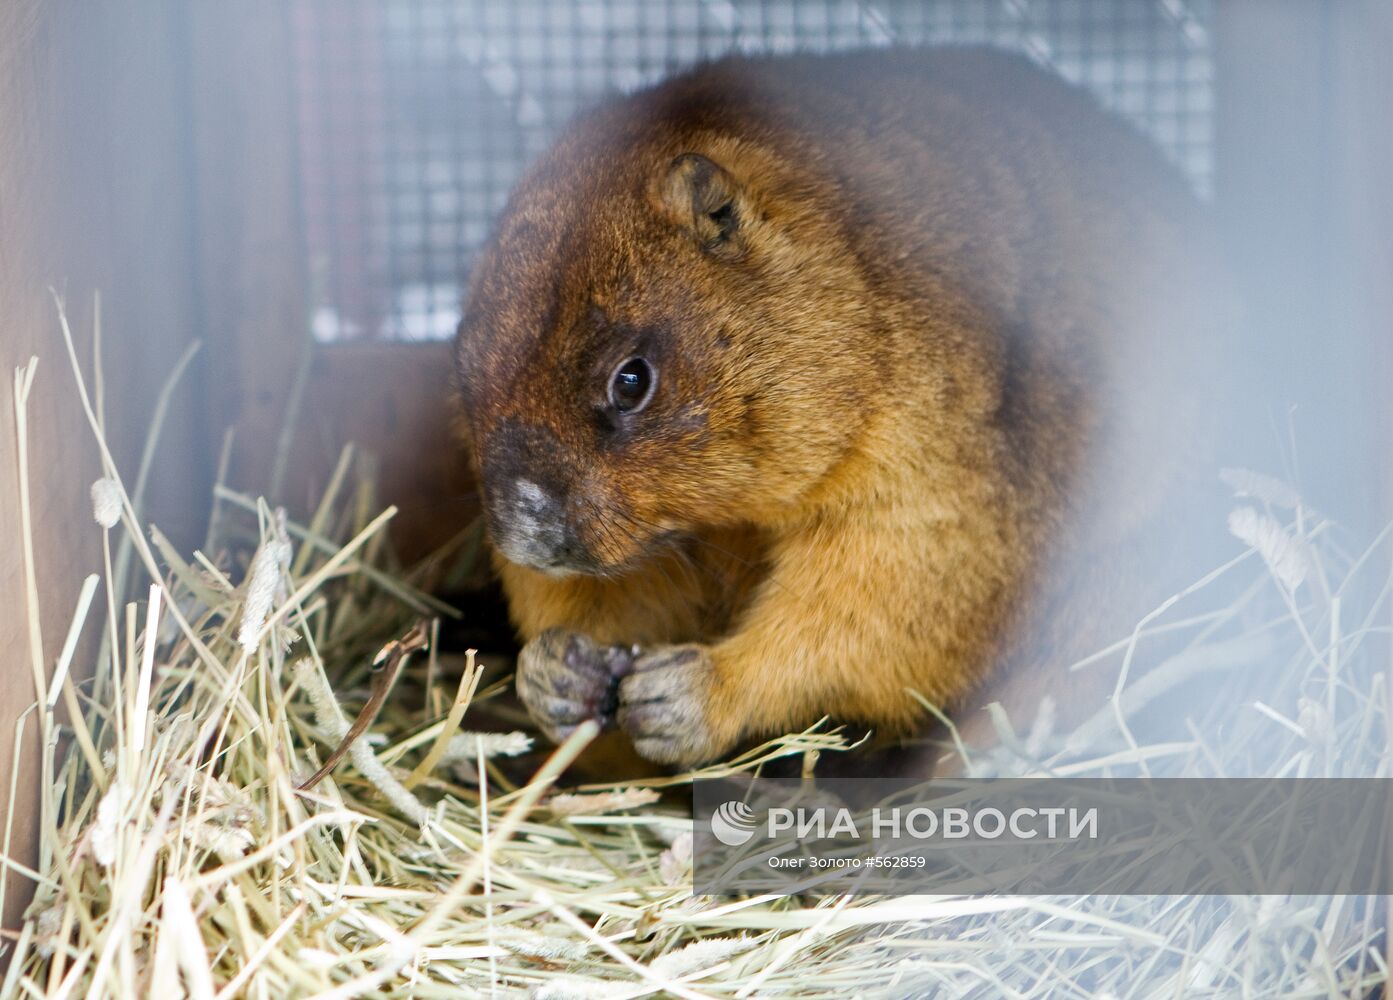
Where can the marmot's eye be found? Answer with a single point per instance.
(631, 386)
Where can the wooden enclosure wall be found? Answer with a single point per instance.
(1304, 131)
(390, 400)
(94, 194)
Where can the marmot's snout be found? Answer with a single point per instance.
(527, 504)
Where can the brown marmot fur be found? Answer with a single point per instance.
(788, 379)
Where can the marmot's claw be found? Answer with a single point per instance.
(663, 705)
(564, 678)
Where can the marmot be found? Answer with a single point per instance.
(786, 380)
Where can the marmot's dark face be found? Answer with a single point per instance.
(646, 352)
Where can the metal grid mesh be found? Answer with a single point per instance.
(416, 116)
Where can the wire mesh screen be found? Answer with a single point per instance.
(416, 116)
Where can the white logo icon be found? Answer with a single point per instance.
(733, 823)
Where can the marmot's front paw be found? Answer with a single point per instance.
(665, 705)
(565, 678)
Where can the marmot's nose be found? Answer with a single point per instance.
(527, 509)
(528, 524)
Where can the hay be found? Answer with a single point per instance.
(179, 857)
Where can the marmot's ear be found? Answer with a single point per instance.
(704, 197)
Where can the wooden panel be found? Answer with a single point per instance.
(250, 254)
(391, 401)
(388, 398)
(93, 194)
(1302, 133)
(1361, 125)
